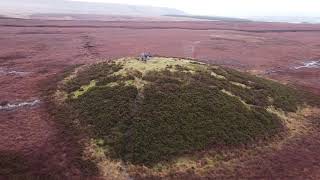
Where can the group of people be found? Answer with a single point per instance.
(145, 56)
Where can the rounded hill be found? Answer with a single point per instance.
(147, 112)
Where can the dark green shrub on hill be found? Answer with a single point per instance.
(100, 72)
(173, 121)
(179, 110)
(261, 90)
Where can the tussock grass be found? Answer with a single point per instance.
(154, 64)
(217, 75)
(83, 89)
(240, 85)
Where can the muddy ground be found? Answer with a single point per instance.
(33, 52)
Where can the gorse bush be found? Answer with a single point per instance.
(186, 118)
(100, 72)
(178, 108)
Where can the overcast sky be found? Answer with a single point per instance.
(239, 8)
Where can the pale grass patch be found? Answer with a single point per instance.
(189, 71)
(240, 85)
(296, 122)
(137, 82)
(60, 96)
(153, 64)
(108, 169)
(112, 84)
(280, 113)
(228, 93)
(83, 89)
(182, 164)
(255, 72)
(73, 74)
(270, 99)
(214, 67)
(239, 98)
(217, 75)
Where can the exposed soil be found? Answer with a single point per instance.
(46, 48)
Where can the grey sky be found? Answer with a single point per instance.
(234, 7)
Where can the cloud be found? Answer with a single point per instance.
(234, 7)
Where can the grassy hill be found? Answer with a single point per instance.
(146, 113)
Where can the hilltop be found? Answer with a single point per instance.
(149, 112)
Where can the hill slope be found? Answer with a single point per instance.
(144, 113)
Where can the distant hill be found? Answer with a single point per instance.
(288, 19)
(211, 18)
(105, 17)
(73, 7)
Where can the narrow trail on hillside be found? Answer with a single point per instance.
(88, 47)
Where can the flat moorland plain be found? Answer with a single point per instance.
(34, 52)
